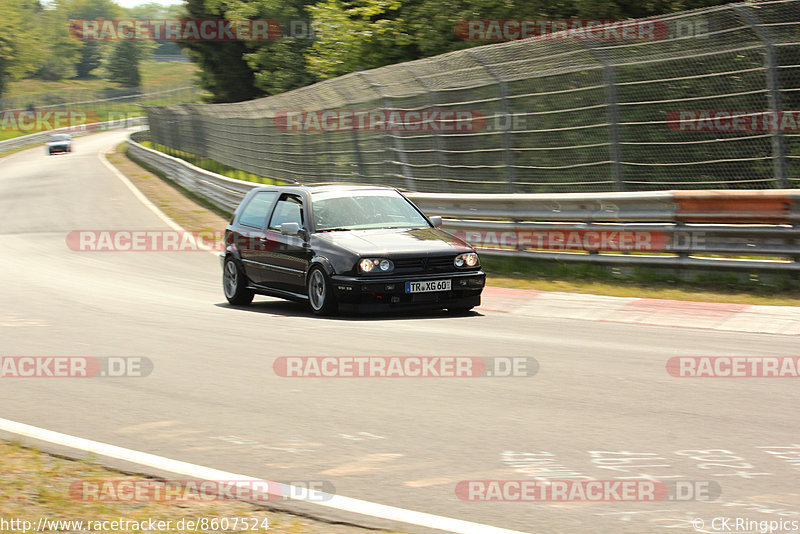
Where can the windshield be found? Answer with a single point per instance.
(363, 210)
(59, 137)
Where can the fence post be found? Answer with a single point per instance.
(444, 186)
(397, 142)
(502, 89)
(612, 111)
(354, 133)
(773, 93)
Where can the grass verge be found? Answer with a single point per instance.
(35, 485)
(213, 166)
(522, 273)
(154, 74)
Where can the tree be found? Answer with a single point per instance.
(90, 52)
(364, 34)
(360, 34)
(123, 64)
(225, 72)
(21, 42)
(91, 55)
(279, 63)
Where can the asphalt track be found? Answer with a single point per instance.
(601, 399)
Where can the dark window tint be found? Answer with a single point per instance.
(255, 213)
(288, 209)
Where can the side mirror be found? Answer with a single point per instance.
(436, 221)
(290, 228)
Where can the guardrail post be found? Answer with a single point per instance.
(612, 112)
(502, 89)
(773, 93)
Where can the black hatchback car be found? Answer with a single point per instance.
(359, 247)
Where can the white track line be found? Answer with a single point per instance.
(140, 196)
(336, 502)
(135, 190)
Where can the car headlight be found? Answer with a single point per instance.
(375, 265)
(466, 260)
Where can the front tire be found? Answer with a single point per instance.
(234, 284)
(320, 293)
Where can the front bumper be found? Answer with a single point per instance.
(373, 293)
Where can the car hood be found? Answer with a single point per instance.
(393, 242)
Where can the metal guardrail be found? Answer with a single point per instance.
(40, 137)
(656, 229)
(223, 192)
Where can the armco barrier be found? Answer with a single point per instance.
(664, 228)
(40, 137)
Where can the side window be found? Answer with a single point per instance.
(255, 213)
(288, 209)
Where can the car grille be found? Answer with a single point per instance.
(433, 264)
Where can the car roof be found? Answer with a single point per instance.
(323, 188)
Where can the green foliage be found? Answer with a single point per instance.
(363, 34)
(90, 52)
(90, 58)
(62, 50)
(351, 35)
(123, 63)
(358, 35)
(224, 71)
(242, 70)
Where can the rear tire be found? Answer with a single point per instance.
(234, 284)
(320, 293)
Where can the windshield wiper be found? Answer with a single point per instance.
(336, 230)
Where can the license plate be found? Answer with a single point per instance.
(428, 286)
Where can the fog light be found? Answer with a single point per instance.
(462, 282)
(390, 287)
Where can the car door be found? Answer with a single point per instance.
(288, 255)
(250, 239)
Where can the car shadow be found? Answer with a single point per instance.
(289, 308)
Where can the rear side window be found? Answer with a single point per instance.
(255, 213)
(289, 209)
